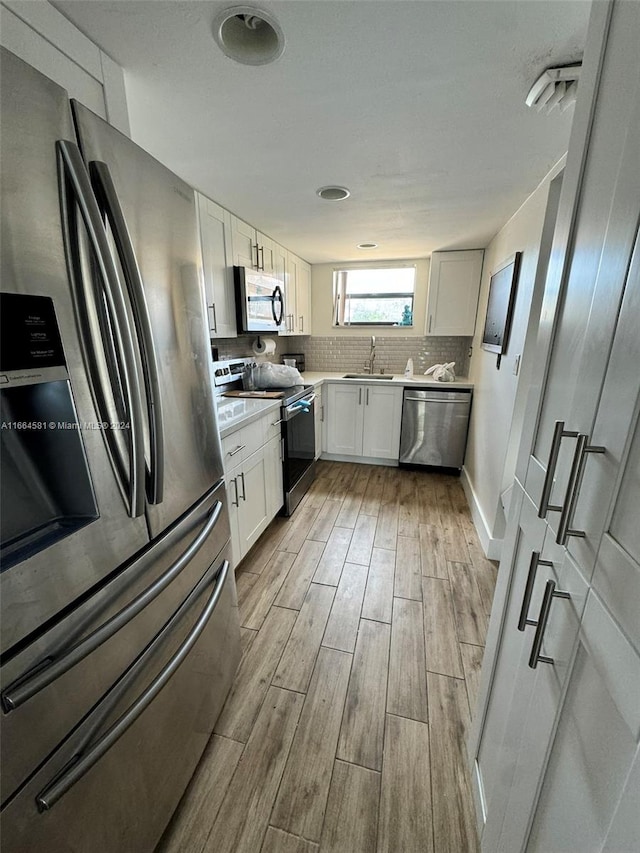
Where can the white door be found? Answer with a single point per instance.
(273, 469)
(382, 416)
(595, 746)
(344, 410)
(454, 285)
(266, 253)
(253, 516)
(243, 244)
(303, 298)
(215, 235)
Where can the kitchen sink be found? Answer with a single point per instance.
(367, 376)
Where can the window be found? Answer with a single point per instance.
(380, 296)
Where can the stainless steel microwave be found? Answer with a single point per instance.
(259, 301)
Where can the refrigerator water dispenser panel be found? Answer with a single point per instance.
(46, 489)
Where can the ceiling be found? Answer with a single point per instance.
(418, 107)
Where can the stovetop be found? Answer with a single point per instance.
(228, 377)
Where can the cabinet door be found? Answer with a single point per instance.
(231, 482)
(595, 745)
(382, 416)
(266, 253)
(215, 236)
(290, 296)
(303, 298)
(345, 416)
(454, 285)
(273, 468)
(253, 516)
(605, 231)
(243, 243)
(537, 695)
(319, 421)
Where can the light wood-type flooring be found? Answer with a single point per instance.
(363, 624)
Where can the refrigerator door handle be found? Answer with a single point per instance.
(75, 186)
(108, 200)
(82, 763)
(46, 671)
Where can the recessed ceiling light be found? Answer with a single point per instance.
(248, 35)
(333, 193)
(367, 246)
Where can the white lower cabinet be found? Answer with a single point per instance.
(273, 469)
(253, 476)
(363, 420)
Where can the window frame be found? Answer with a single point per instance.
(390, 265)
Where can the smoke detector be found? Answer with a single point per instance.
(555, 87)
(248, 35)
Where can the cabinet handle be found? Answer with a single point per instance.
(237, 449)
(257, 248)
(430, 319)
(235, 502)
(214, 326)
(573, 488)
(292, 326)
(550, 593)
(523, 621)
(261, 254)
(321, 414)
(359, 396)
(367, 403)
(244, 491)
(301, 323)
(559, 433)
(275, 423)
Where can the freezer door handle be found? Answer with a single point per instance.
(75, 189)
(109, 203)
(83, 761)
(46, 671)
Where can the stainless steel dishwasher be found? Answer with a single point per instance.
(435, 423)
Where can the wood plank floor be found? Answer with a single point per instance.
(363, 624)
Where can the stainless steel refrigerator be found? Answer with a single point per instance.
(119, 623)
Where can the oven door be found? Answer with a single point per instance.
(299, 450)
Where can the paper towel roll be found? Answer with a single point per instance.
(264, 346)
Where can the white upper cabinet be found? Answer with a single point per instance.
(215, 236)
(454, 285)
(297, 311)
(251, 248)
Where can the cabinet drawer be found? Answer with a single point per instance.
(273, 425)
(242, 443)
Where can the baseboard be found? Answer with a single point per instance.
(359, 460)
(491, 547)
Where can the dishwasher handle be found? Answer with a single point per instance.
(464, 402)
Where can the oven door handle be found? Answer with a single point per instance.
(302, 406)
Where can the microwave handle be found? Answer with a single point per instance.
(277, 297)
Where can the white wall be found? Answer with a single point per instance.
(495, 422)
(322, 302)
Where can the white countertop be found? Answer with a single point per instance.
(318, 377)
(235, 412)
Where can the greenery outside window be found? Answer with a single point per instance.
(374, 296)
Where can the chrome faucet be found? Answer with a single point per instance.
(372, 355)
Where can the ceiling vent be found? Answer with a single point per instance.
(555, 87)
(248, 35)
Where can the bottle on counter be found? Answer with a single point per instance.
(408, 371)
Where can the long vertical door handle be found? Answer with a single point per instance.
(214, 325)
(524, 620)
(107, 196)
(75, 189)
(573, 488)
(559, 433)
(550, 593)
